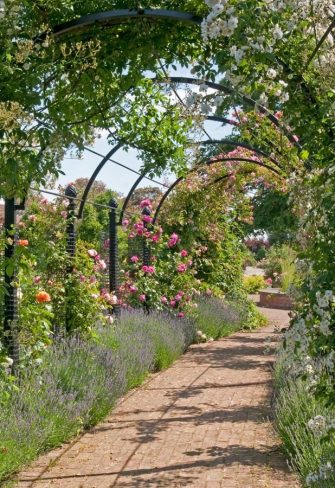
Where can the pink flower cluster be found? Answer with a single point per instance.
(148, 269)
(174, 239)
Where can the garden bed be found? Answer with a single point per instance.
(275, 298)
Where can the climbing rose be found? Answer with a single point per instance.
(181, 268)
(269, 281)
(134, 259)
(32, 218)
(42, 297)
(64, 214)
(145, 203)
(92, 253)
(37, 279)
(23, 242)
(181, 314)
(125, 223)
(173, 303)
(174, 238)
(142, 298)
(164, 300)
(133, 289)
(147, 219)
(184, 253)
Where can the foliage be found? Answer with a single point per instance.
(280, 266)
(253, 284)
(273, 214)
(301, 420)
(218, 318)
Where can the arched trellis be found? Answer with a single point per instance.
(209, 163)
(119, 145)
(121, 16)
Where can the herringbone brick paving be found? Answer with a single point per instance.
(204, 423)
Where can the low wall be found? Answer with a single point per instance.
(274, 299)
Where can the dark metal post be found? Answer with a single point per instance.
(11, 303)
(146, 249)
(113, 254)
(71, 193)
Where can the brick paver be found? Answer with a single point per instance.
(204, 423)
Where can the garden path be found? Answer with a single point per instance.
(202, 423)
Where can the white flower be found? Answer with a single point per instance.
(7, 363)
(263, 99)
(277, 33)
(317, 425)
(271, 73)
(232, 22)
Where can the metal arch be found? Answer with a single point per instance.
(249, 101)
(241, 144)
(116, 17)
(208, 163)
(94, 175)
(137, 182)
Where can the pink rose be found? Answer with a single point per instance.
(164, 300)
(181, 268)
(37, 280)
(32, 218)
(155, 238)
(93, 279)
(142, 298)
(147, 219)
(183, 253)
(82, 278)
(92, 253)
(133, 289)
(269, 281)
(181, 314)
(145, 203)
(134, 259)
(64, 214)
(145, 269)
(125, 222)
(174, 239)
(173, 303)
(151, 269)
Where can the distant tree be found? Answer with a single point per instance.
(273, 214)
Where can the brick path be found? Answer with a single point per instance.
(202, 423)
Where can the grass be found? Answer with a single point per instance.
(295, 406)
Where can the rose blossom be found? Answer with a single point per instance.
(142, 298)
(42, 297)
(183, 253)
(133, 289)
(64, 214)
(145, 203)
(134, 259)
(174, 239)
(164, 300)
(32, 218)
(173, 303)
(181, 314)
(181, 268)
(92, 253)
(37, 279)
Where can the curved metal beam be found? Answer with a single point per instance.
(128, 197)
(116, 17)
(231, 91)
(241, 144)
(94, 175)
(209, 163)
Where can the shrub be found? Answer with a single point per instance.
(219, 318)
(252, 284)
